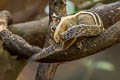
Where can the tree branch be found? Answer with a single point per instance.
(57, 7)
(110, 13)
(108, 38)
(86, 49)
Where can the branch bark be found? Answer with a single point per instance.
(57, 7)
(89, 46)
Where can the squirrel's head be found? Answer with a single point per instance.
(55, 22)
(53, 25)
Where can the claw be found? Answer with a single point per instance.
(57, 39)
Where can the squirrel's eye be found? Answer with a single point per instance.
(53, 28)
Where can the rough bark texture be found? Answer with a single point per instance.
(47, 71)
(90, 46)
(95, 44)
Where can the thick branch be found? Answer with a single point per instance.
(74, 53)
(17, 44)
(110, 13)
(57, 7)
(108, 38)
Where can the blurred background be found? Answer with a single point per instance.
(102, 66)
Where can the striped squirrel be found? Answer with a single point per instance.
(68, 29)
